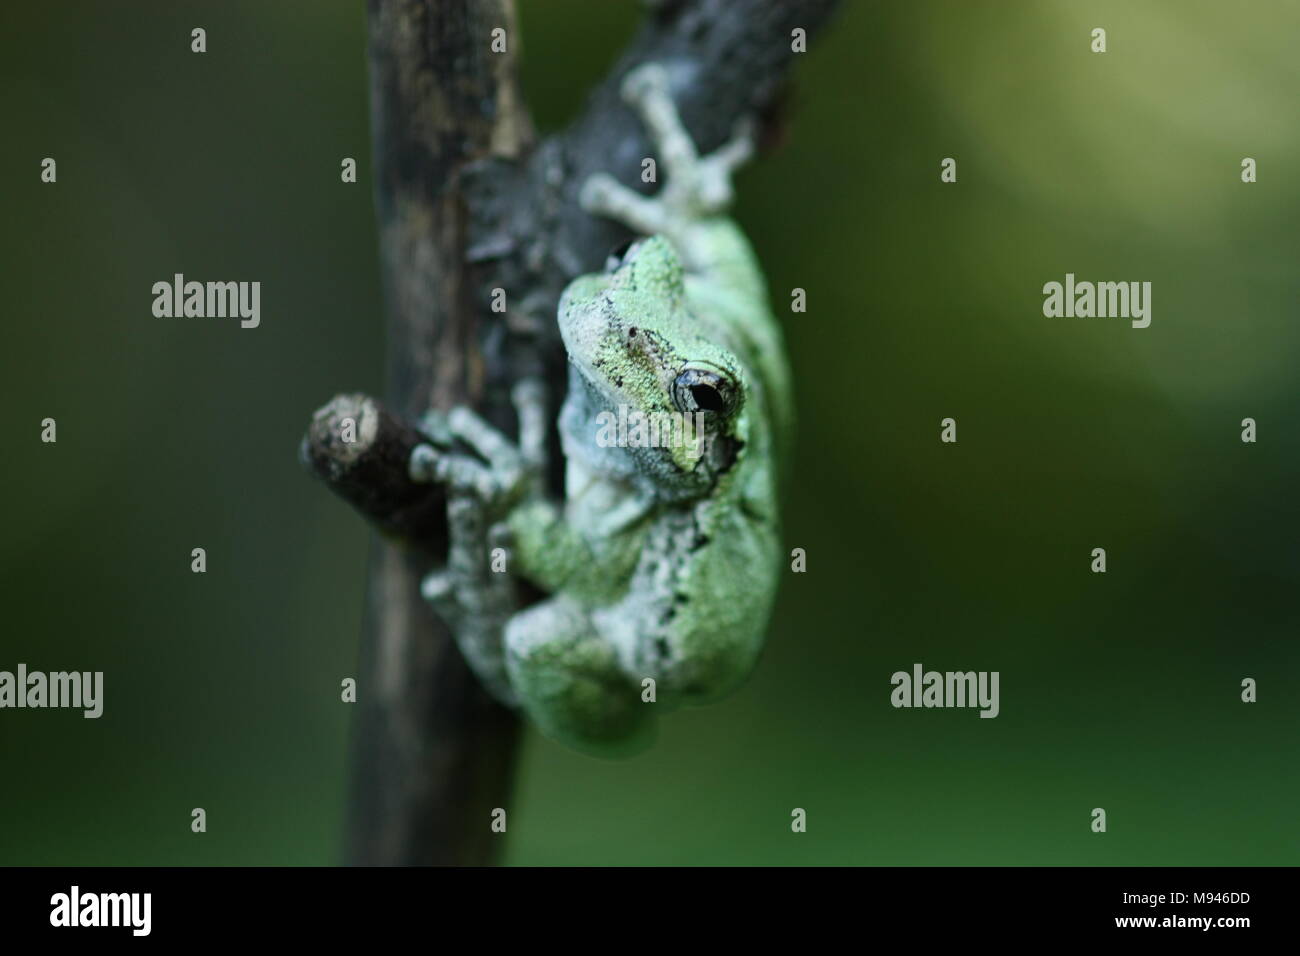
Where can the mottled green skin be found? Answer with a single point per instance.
(659, 565)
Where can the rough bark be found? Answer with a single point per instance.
(432, 753)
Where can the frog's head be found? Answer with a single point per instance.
(638, 349)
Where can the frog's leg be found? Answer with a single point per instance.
(568, 680)
(697, 187)
(475, 600)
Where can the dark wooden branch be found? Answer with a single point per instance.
(432, 753)
(466, 206)
(366, 466)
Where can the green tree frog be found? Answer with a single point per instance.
(660, 564)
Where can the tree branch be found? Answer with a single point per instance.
(368, 471)
(466, 207)
(432, 753)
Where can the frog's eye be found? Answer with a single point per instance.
(618, 254)
(704, 389)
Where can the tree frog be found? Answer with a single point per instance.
(660, 565)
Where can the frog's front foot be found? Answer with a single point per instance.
(697, 187)
(474, 593)
(497, 471)
(493, 473)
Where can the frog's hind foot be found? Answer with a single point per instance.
(696, 187)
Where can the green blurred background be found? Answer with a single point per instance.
(1118, 691)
